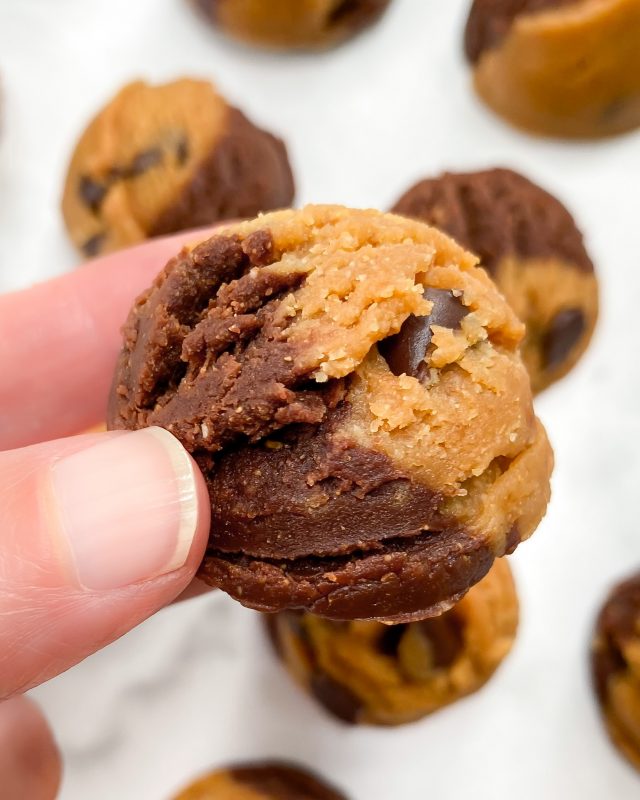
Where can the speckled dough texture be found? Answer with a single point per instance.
(370, 673)
(160, 159)
(293, 24)
(530, 245)
(615, 658)
(266, 781)
(350, 384)
(568, 68)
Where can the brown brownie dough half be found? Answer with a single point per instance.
(266, 781)
(160, 159)
(615, 662)
(350, 384)
(568, 68)
(293, 24)
(530, 245)
(370, 673)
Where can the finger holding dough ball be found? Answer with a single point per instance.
(351, 386)
(567, 68)
(370, 673)
(615, 661)
(161, 159)
(293, 24)
(529, 243)
(264, 781)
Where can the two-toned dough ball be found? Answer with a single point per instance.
(370, 673)
(264, 781)
(293, 24)
(558, 67)
(350, 384)
(160, 159)
(530, 245)
(615, 659)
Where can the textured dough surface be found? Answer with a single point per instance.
(529, 243)
(568, 68)
(370, 673)
(160, 159)
(347, 476)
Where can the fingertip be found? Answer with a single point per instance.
(30, 763)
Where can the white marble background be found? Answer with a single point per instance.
(197, 686)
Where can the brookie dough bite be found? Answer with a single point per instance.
(268, 781)
(558, 67)
(530, 245)
(351, 386)
(293, 24)
(160, 159)
(367, 672)
(615, 658)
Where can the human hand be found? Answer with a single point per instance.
(97, 531)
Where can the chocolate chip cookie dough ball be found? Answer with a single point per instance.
(293, 24)
(350, 384)
(367, 672)
(616, 667)
(530, 245)
(268, 781)
(160, 159)
(558, 67)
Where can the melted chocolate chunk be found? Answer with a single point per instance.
(562, 335)
(405, 352)
(93, 245)
(336, 698)
(182, 151)
(445, 636)
(491, 20)
(143, 162)
(390, 638)
(92, 192)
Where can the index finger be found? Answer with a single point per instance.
(59, 341)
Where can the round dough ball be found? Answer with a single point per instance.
(568, 68)
(530, 245)
(161, 159)
(370, 673)
(351, 386)
(615, 660)
(293, 24)
(271, 780)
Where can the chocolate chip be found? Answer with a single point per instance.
(405, 351)
(259, 247)
(390, 639)
(561, 336)
(182, 151)
(93, 245)
(444, 635)
(143, 162)
(92, 192)
(337, 699)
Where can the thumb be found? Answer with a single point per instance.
(96, 533)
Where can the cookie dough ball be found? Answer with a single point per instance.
(268, 781)
(367, 672)
(531, 247)
(293, 24)
(160, 159)
(558, 67)
(350, 384)
(616, 667)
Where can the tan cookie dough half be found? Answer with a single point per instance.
(568, 68)
(160, 159)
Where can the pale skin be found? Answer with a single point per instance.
(97, 531)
